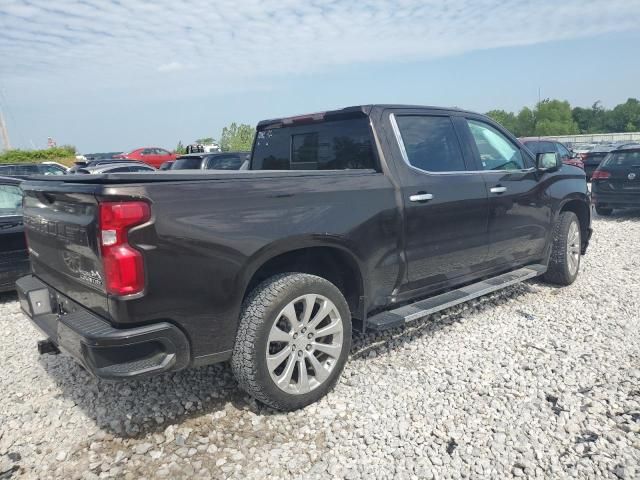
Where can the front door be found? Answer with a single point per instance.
(446, 206)
(519, 214)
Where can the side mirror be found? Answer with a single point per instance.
(548, 162)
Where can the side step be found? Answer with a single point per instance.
(423, 308)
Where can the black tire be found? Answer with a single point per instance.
(559, 271)
(603, 211)
(260, 311)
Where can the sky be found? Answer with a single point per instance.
(113, 75)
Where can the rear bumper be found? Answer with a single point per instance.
(616, 200)
(105, 351)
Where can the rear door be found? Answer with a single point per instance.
(445, 202)
(519, 213)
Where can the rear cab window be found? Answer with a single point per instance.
(332, 144)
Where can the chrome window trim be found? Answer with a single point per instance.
(405, 157)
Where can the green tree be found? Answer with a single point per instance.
(205, 141)
(553, 117)
(507, 119)
(590, 120)
(525, 123)
(180, 148)
(237, 137)
(624, 117)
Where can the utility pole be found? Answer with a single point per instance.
(4, 133)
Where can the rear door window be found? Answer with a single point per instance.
(430, 143)
(330, 145)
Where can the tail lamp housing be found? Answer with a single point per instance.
(123, 265)
(600, 175)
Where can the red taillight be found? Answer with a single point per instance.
(123, 265)
(600, 175)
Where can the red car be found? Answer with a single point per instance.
(153, 156)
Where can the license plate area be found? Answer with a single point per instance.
(37, 302)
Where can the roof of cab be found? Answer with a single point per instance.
(346, 112)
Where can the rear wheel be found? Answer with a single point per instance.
(564, 262)
(293, 340)
(604, 211)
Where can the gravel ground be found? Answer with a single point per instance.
(533, 382)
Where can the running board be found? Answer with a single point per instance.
(408, 313)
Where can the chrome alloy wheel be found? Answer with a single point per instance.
(573, 248)
(304, 344)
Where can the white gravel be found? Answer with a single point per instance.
(534, 382)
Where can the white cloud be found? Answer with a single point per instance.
(236, 41)
(170, 67)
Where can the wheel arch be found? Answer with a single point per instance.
(581, 207)
(328, 258)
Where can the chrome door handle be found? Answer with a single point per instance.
(421, 197)
(498, 189)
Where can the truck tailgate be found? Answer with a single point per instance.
(61, 230)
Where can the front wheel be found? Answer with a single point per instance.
(564, 262)
(293, 340)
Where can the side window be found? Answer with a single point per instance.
(10, 200)
(562, 150)
(430, 143)
(496, 150)
(119, 170)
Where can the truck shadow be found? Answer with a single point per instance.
(209, 395)
(631, 214)
(8, 297)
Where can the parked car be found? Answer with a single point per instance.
(102, 156)
(616, 182)
(153, 156)
(594, 157)
(63, 168)
(95, 163)
(538, 145)
(374, 209)
(212, 161)
(14, 260)
(22, 170)
(116, 167)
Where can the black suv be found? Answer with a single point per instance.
(616, 182)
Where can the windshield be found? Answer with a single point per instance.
(187, 163)
(224, 162)
(622, 159)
